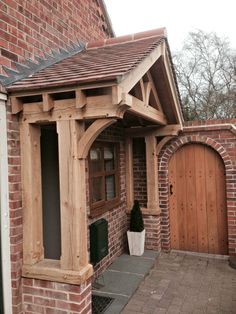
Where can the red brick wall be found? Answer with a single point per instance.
(139, 171)
(29, 28)
(153, 232)
(15, 206)
(117, 218)
(46, 297)
(222, 139)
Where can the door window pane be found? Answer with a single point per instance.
(109, 158)
(97, 189)
(110, 187)
(96, 159)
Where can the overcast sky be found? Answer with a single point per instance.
(178, 16)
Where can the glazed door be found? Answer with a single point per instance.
(198, 219)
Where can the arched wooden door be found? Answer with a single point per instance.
(197, 193)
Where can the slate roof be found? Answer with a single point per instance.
(105, 60)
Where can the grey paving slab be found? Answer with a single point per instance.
(150, 254)
(119, 283)
(132, 264)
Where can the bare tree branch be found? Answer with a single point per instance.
(206, 73)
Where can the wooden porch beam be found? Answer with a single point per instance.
(96, 107)
(139, 108)
(152, 174)
(171, 129)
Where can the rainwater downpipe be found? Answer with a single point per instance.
(4, 210)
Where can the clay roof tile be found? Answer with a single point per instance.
(101, 60)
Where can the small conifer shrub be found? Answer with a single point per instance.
(136, 218)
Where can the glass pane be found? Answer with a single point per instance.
(96, 160)
(110, 187)
(109, 158)
(96, 189)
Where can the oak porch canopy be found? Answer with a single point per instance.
(129, 80)
(131, 74)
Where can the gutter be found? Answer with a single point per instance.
(4, 210)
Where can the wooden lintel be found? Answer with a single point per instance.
(129, 172)
(100, 101)
(80, 99)
(48, 102)
(66, 110)
(152, 173)
(16, 105)
(171, 129)
(139, 108)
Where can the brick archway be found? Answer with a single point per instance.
(166, 153)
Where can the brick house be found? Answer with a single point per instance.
(90, 128)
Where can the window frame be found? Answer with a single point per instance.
(104, 205)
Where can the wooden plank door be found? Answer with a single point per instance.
(198, 218)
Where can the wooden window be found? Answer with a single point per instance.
(103, 177)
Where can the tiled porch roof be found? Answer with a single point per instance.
(105, 60)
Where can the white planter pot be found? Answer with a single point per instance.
(136, 242)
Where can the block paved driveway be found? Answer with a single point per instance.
(183, 283)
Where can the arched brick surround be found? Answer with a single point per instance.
(230, 166)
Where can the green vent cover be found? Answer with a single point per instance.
(98, 240)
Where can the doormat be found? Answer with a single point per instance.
(100, 304)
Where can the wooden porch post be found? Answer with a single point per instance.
(73, 196)
(32, 222)
(129, 172)
(152, 174)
